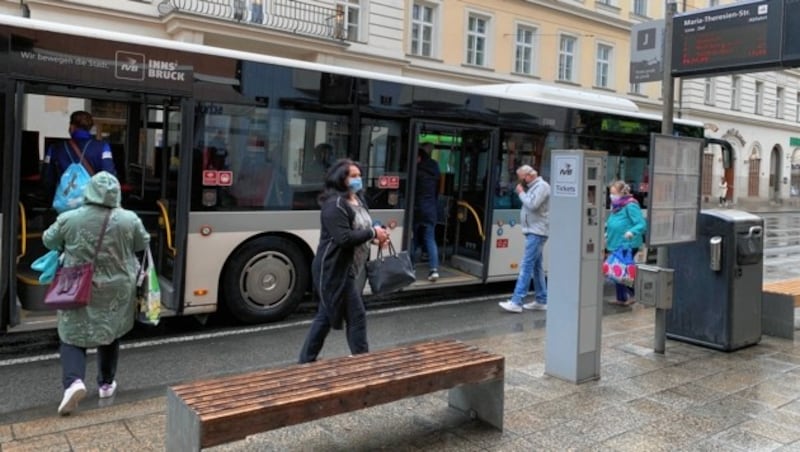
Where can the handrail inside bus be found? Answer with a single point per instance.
(466, 205)
(23, 235)
(167, 226)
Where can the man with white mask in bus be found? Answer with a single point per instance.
(534, 194)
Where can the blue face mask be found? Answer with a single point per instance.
(355, 184)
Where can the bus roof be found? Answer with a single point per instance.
(539, 93)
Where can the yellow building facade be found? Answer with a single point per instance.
(577, 44)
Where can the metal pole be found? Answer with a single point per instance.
(668, 94)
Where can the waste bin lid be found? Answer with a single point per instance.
(731, 215)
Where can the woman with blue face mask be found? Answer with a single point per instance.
(338, 270)
(625, 228)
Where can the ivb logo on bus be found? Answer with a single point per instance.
(129, 65)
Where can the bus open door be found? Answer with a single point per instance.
(463, 154)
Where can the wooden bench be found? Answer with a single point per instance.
(218, 410)
(779, 298)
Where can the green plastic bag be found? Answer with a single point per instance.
(148, 292)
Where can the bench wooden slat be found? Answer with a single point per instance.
(214, 411)
(327, 381)
(217, 431)
(187, 389)
(266, 401)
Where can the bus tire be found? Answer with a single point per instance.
(265, 280)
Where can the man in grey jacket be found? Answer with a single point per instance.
(534, 193)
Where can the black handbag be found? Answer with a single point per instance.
(390, 272)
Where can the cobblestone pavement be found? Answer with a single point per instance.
(691, 398)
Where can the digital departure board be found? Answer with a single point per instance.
(740, 37)
(791, 34)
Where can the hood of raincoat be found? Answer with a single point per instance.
(104, 190)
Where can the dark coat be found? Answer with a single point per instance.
(333, 262)
(426, 203)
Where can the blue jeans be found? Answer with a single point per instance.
(73, 363)
(531, 267)
(623, 292)
(355, 318)
(424, 238)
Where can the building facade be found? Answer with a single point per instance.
(573, 44)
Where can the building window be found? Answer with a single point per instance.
(566, 58)
(636, 88)
(797, 113)
(708, 91)
(736, 92)
(349, 14)
(422, 16)
(477, 35)
(640, 7)
(780, 103)
(604, 55)
(759, 107)
(713, 2)
(524, 50)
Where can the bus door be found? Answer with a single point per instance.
(463, 155)
(26, 213)
(156, 174)
(9, 312)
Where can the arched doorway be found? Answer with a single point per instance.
(775, 175)
(754, 171)
(794, 189)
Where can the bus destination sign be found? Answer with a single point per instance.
(737, 38)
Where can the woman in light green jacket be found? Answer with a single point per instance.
(111, 311)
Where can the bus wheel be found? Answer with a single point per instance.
(265, 280)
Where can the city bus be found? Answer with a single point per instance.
(223, 155)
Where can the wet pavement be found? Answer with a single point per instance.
(691, 398)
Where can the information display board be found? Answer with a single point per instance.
(743, 36)
(675, 173)
(791, 34)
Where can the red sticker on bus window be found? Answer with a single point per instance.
(225, 178)
(210, 177)
(502, 243)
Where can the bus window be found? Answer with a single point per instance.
(382, 157)
(233, 140)
(518, 148)
(312, 144)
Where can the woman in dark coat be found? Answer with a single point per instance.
(345, 234)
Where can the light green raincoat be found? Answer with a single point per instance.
(111, 311)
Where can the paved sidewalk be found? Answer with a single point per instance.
(691, 398)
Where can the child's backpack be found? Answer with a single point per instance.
(74, 179)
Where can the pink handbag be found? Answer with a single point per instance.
(71, 287)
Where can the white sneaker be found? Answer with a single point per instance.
(72, 395)
(510, 306)
(107, 390)
(433, 276)
(535, 306)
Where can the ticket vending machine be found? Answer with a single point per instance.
(575, 281)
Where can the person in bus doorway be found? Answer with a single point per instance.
(339, 266)
(111, 312)
(534, 194)
(426, 207)
(625, 228)
(62, 154)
